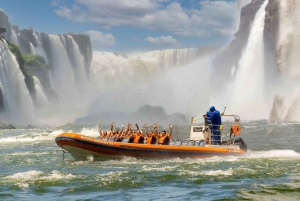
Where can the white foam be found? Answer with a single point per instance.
(217, 172)
(25, 175)
(158, 169)
(93, 132)
(285, 154)
(56, 175)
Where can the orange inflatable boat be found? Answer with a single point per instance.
(199, 144)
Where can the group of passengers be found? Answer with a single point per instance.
(137, 136)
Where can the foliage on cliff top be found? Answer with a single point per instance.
(15, 50)
(34, 62)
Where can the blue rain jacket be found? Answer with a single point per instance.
(214, 117)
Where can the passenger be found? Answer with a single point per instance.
(164, 138)
(104, 135)
(118, 137)
(111, 133)
(151, 138)
(214, 117)
(129, 133)
(100, 132)
(122, 136)
(138, 136)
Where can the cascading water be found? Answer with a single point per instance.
(248, 88)
(32, 49)
(62, 77)
(14, 37)
(40, 95)
(125, 82)
(39, 48)
(79, 71)
(288, 61)
(17, 101)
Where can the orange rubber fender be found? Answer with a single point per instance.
(236, 129)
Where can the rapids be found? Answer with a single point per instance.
(33, 168)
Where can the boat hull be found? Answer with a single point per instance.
(81, 147)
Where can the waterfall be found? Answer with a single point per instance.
(17, 101)
(288, 60)
(110, 70)
(78, 66)
(14, 37)
(248, 88)
(62, 77)
(32, 49)
(177, 80)
(39, 48)
(40, 95)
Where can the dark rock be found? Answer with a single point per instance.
(231, 55)
(6, 126)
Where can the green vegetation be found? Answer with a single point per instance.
(34, 63)
(15, 50)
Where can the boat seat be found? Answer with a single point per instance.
(184, 142)
(178, 142)
(126, 140)
(191, 143)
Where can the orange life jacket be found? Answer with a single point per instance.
(162, 139)
(137, 138)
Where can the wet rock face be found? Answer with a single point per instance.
(271, 32)
(231, 55)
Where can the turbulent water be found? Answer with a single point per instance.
(17, 101)
(32, 168)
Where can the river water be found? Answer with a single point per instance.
(33, 168)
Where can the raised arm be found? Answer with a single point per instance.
(171, 127)
(155, 130)
(99, 129)
(137, 127)
(147, 132)
(121, 131)
(112, 127)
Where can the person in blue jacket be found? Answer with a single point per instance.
(214, 117)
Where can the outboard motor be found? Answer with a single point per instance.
(240, 142)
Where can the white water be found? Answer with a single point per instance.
(62, 77)
(247, 91)
(39, 48)
(288, 60)
(32, 50)
(18, 103)
(173, 79)
(79, 69)
(121, 82)
(14, 37)
(40, 95)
